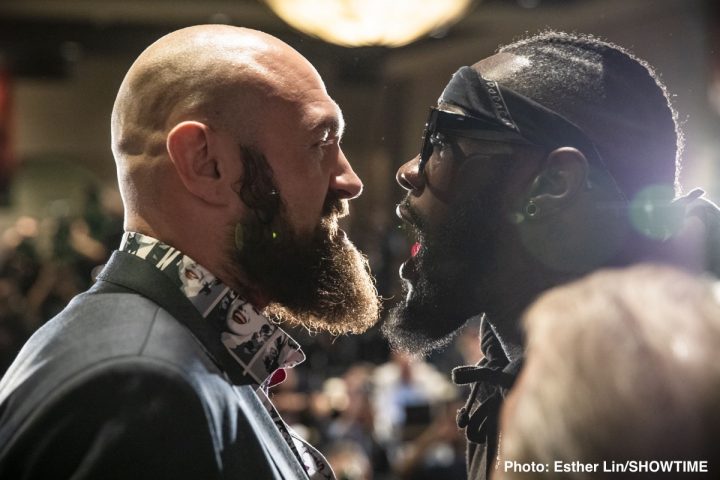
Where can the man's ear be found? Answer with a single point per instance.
(564, 174)
(190, 147)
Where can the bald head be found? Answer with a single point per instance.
(219, 75)
(195, 73)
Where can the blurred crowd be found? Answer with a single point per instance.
(393, 420)
(375, 414)
(44, 262)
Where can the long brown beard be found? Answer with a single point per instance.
(318, 281)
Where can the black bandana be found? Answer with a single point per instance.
(498, 110)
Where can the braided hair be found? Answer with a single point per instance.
(616, 98)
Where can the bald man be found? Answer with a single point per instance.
(233, 180)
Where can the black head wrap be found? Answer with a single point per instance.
(494, 112)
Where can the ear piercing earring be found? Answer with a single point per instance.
(531, 209)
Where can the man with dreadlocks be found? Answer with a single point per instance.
(552, 158)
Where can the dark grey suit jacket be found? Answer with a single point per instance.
(121, 384)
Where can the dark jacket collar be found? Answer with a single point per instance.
(246, 363)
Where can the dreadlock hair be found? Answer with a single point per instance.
(616, 98)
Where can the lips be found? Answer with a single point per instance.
(408, 270)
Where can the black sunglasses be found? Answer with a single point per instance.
(441, 123)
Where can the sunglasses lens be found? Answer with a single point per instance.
(425, 153)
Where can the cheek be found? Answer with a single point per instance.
(440, 173)
(304, 195)
(434, 210)
(448, 187)
(477, 175)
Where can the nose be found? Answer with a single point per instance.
(345, 181)
(408, 176)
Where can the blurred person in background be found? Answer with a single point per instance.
(232, 177)
(407, 395)
(438, 452)
(20, 266)
(349, 461)
(356, 421)
(38, 282)
(554, 157)
(14, 328)
(620, 366)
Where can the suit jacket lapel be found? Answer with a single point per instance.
(135, 274)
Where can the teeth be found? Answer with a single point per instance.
(415, 249)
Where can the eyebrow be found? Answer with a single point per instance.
(334, 123)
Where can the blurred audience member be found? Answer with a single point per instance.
(349, 461)
(439, 452)
(356, 421)
(19, 268)
(13, 329)
(406, 389)
(622, 365)
(36, 282)
(19, 255)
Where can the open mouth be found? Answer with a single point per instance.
(415, 249)
(408, 270)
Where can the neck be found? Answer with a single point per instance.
(235, 278)
(513, 296)
(212, 258)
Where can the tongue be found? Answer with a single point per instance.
(415, 249)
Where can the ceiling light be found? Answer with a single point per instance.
(355, 23)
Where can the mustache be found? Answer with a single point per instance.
(335, 207)
(410, 216)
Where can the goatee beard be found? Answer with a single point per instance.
(442, 295)
(425, 320)
(318, 281)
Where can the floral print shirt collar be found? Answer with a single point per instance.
(258, 346)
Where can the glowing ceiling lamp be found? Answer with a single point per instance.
(356, 23)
